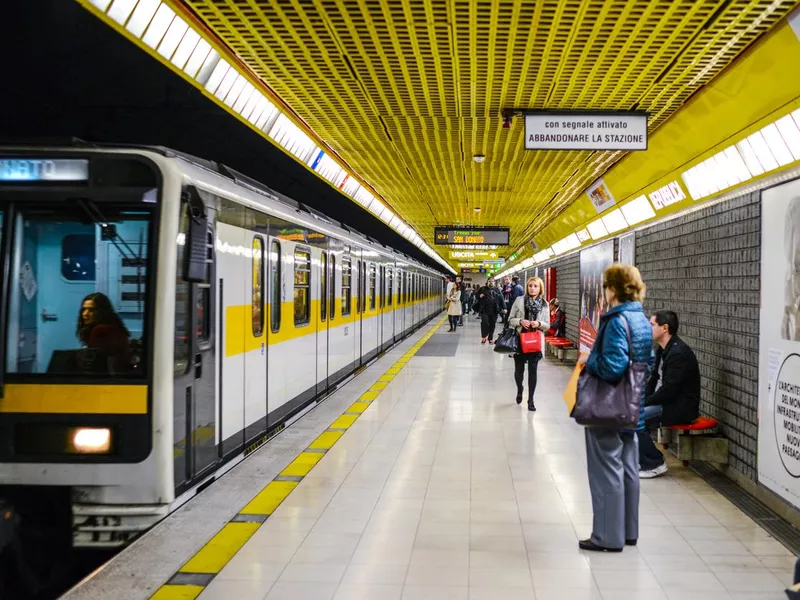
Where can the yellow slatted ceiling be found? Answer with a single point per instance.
(408, 91)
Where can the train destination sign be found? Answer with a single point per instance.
(455, 236)
(36, 169)
(575, 131)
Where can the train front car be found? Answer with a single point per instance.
(77, 331)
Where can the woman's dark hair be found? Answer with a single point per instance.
(104, 314)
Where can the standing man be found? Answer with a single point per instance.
(516, 290)
(490, 306)
(506, 292)
(672, 394)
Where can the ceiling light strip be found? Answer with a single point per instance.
(168, 34)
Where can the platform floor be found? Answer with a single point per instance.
(445, 489)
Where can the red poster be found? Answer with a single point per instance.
(594, 261)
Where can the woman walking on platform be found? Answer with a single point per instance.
(612, 453)
(454, 309)
(529, 313)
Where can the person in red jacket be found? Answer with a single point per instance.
(100, 328)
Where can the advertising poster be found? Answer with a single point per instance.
(627, 249)
(600, 196)
(594, 261)
(779, 344)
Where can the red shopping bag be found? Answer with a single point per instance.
(531, 341)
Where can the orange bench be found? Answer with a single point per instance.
(559, 346)
(696, 441)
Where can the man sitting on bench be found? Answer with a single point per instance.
(558, 320)
(672, 395)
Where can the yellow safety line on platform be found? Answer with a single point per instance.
(223, 546)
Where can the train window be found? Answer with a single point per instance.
(78, 257)
(372, 288)
(362, 285)
(332, 304)
(323, 296)
(258, 287)
(347, 275)
(182, 348)
(302, 287)
(382, 284)
(77, 326)
(391, 285)
(275, 287)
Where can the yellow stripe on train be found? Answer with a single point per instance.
(67, 399)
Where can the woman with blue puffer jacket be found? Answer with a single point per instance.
(613, 454)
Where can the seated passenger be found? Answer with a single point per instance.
(672, 395)
(558, 320)
(100, 328)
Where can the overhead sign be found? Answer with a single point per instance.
(455, 236)
(36, 169)
(587, 131)
(473, 254)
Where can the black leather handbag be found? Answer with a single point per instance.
(507, 342)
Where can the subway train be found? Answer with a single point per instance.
(162, 317)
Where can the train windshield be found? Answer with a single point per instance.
(78, 288)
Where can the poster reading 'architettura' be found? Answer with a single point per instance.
(594, 261)
(779, 343)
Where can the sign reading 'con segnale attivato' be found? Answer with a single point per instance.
(585, 131)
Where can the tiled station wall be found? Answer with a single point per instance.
(706, 267)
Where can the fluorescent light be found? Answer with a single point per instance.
(737, 164)
(227, 83)
(597, 229)
(790, 132)
(142, 16)
(583, 235)
(158, 26)
(243, 100)
(217, 75)
(186, 48)
(750, 158)
(776, 144)
(121, 10)
(638, 210)
(173, 37)
(236, 91)
(614, 221)
(762, 151)
(101, 4)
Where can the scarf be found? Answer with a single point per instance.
(533, 307)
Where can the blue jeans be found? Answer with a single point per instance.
(649, 456)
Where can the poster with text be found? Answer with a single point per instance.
(594, 261)
(779, 343)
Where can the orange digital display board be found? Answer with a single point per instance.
(456, 236)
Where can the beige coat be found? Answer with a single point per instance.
(517, 314)
(454, 310)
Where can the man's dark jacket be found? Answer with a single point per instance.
(679, 394)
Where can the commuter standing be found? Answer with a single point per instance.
(490, 306)
(672, 394)
(529, 313)
(516, 291)
(506, 292)
(612, 453)
(454, 309)
(466, 302)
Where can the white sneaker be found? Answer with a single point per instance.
(659, 470)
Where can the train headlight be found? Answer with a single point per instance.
(90, 440)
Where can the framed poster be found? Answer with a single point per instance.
(600, 196)
(779, 342)
(594, 261)
(627, 249)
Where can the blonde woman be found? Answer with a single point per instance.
(529, 313)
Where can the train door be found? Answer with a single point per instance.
(322, 323)
(381, 303)
(276, 382)
(196, 421)
(255, 348)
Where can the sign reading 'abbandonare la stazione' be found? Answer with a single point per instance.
(574, 131)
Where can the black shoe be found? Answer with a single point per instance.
(630, 542)
(531, 406)
(591, 546)
(519, 397)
